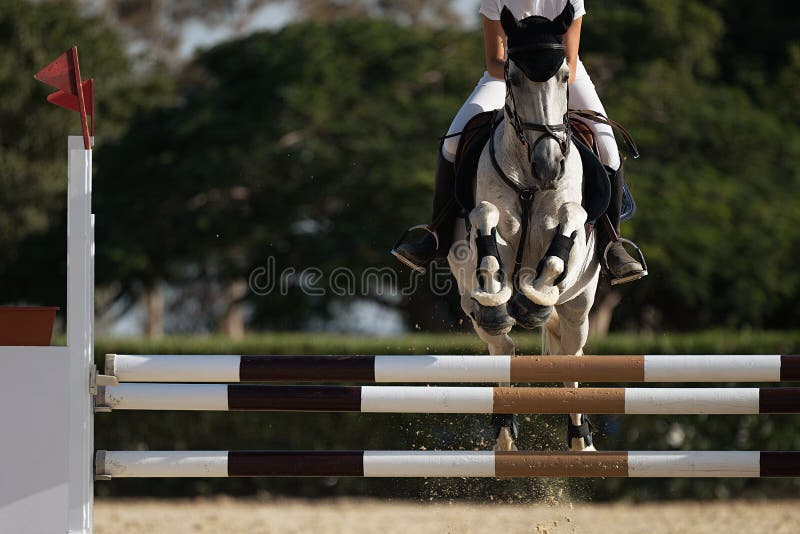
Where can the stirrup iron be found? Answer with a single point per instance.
(414, 228)
(638, 252)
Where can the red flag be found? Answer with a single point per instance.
(65, 75)
(70, 101)
(61, 72)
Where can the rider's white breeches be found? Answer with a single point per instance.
(583, 95)
(490, 93)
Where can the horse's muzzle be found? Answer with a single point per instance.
(548, 173)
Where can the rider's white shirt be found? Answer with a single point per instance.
(526, 8)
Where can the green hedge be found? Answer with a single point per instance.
(710, 342)
(326, 431)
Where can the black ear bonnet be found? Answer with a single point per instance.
(535, 44)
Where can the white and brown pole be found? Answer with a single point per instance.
(453, 369)
(625, 464)
(421, 399)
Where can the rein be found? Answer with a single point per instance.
(602, 119)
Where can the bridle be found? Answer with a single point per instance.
(527, 194)
(549, 131)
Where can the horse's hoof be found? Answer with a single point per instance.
(495, 320)
(579, 445)
(505, 440)
(527, 313)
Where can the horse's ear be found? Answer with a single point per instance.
(562, 22)
(509, 21)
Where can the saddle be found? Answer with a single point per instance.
(596, 185)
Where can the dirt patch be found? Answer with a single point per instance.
(354, 516)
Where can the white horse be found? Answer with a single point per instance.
(527, 258)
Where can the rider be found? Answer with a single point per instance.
(490, 94)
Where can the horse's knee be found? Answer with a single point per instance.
(571, 217)
(484, 217)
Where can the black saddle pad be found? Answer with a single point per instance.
(596, 186)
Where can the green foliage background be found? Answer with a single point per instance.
(315, 144)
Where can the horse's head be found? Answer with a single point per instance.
(536, 82)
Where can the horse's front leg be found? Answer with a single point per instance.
(542, 286)
(493, 290)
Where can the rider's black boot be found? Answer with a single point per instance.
(620, 266)
(436, 243)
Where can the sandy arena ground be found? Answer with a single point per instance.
(353, 516)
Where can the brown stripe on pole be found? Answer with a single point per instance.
(779, 400)
(559, 400)
(790, 368)
(561, 464)
(295, 463)
(307, 369)
(294, 398)
(780, 464)
(577, 369)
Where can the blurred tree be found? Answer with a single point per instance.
(313, 145)
(32, 135)
(719, 170)
(758, 41)
(622, 36)
(433, 13)
(158, 27)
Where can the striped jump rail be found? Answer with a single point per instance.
(450, 369)
(625, 464)
(422, 399)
